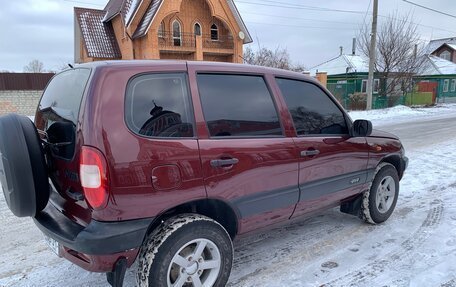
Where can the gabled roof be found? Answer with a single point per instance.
(341, 65)
(240, 22)
(434, 65)
(98, 37)
(124, 7)
(144, 25)
(435, 44)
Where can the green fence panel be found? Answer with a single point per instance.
(419, 98)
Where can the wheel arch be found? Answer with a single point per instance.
(215, 209)
(394, 160)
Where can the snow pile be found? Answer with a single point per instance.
(401, 114)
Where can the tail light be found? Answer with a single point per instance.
(94, 177)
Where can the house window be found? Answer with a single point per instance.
(376, 86)
(364, 86)
(161, 30)
(214, 32)
(453, 85)
(446, 83)
(197, 29)
(445, 55)
(177, 35)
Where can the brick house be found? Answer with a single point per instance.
(210, 30)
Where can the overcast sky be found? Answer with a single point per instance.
(43, 29)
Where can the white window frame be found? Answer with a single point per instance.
(180, 33)
(445, 55)
(446, 84)
(453, 85)
(376, 86)
(364, 86)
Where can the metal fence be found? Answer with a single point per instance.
(24, 81)
(166, 39)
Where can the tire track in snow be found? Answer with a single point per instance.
(391, 261)
(451, 283)
(318, 241)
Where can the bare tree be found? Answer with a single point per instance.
(34, 66)
(399, 55)
(278, 58)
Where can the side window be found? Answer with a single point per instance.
(238, 105)
(312, 110)
(363, 86)
(158, 105)
(446, 84)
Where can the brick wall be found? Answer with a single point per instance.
(20, 102)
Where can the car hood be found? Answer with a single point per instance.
(381, 134)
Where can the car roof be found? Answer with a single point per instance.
(199, 65)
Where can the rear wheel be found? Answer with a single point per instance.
(186, 250)
(380, 200)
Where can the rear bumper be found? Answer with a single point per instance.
(89, 244)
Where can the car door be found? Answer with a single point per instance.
(332, 164)
(246, 159)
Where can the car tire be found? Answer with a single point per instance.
(23, 171)
(380, 200)
(185, 249)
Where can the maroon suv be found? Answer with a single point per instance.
(166, 162)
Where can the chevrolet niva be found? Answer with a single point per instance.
(166, 162)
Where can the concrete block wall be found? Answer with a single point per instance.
(20, 102)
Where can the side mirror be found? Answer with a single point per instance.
(362, 128)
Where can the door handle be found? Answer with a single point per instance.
(224, 162)
(311, 152)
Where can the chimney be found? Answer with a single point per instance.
(354, 47)
(415, 51)
(341, 50)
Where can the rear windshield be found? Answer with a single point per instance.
(63, 95)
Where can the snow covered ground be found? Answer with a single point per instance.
(415, 247)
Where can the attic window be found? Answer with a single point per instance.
(197, 29)
(161, 30)
(177, 36)
(445, 55)
(214, 32)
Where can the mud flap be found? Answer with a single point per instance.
(116, 277)
(353, 206)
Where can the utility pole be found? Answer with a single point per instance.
(373, 45)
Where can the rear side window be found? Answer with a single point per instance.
(158, 105)
(238, 106)
(62, 98)
(312, 109)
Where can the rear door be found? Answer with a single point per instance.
(247, 161)
(332, 165)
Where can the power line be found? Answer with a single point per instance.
(302, 7)
(297, 26)
(86, 3)
(367, 12)
(300, 18)
(430, 9)
(322, 9)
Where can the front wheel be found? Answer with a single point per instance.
(380, 200)
(186, 250)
